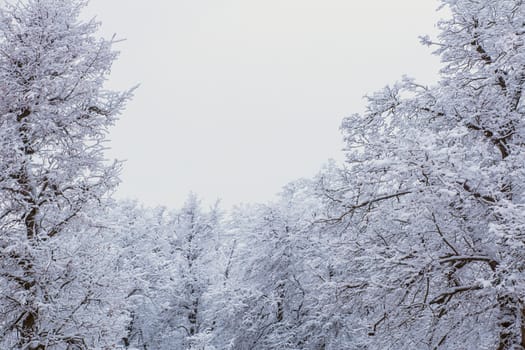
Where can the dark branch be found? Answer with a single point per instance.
(447, 295)
(370, 202)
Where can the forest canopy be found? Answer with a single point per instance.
(417, 241)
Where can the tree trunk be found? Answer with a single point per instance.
(280, 301)
(28, 329)
(192, 317)
(511, 323)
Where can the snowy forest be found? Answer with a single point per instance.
(417, 241)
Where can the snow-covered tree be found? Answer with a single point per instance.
(172, 259)
(197, 262)
(144, 259)
(286, 282)
(54, 115)
(434, 201)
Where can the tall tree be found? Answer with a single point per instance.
(172, 259)
(54, 118)
(196, 235)
(434, 197)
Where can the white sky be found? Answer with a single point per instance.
(239, 97)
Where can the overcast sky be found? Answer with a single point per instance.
(239, 97)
